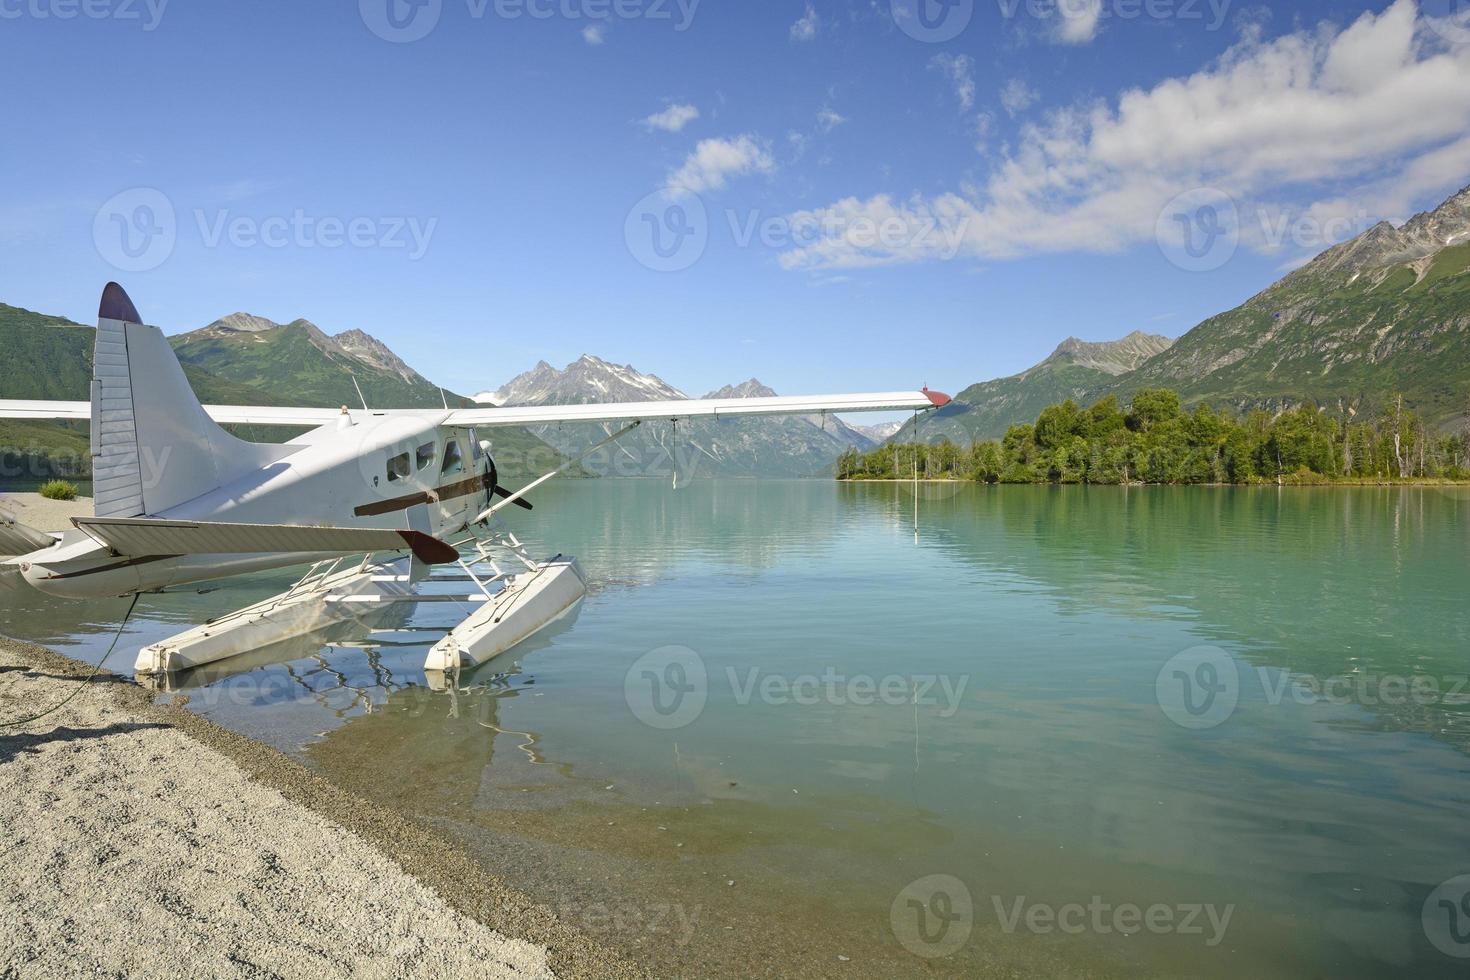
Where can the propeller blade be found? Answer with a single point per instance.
(503, 492)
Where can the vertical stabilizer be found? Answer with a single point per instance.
(153, 445)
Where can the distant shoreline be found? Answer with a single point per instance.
(1261, 485)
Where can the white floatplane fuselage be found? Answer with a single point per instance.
(367, 470)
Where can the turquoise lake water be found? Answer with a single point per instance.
(1056, 732)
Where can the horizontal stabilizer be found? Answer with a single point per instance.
(17, 539)
(139, 537)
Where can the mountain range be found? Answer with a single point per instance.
(775, 447)
(1386, 313)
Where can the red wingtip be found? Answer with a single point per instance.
(939, 398)
(429, 549)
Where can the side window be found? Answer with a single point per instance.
(475, 444)
(398, 468)
(425, 455)
(453, 458)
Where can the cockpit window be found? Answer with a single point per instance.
(398, 468)
(453, 458)
(425, 454)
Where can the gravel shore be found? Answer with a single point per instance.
(140, 839)
(36, 511)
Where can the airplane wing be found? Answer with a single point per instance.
(698, 408)
(537, 414)
(135, 536)
(223, 414)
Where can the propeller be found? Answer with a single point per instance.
(494, 489)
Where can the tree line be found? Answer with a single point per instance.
(1156, 440)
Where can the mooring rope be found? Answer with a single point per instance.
(13, 722)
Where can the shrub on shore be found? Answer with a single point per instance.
(59, 490)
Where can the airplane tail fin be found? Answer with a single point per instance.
(153, 445)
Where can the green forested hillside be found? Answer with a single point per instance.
(299, 358)
(1155, 440)
(1383, 315)
(1074, 370)
(1344, 337)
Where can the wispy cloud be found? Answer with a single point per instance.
(594, 34)
(829, 119)
(805, 29)
(673, 118)
(1282, 118)
(715, 161)
(1016, 97)
(960, 70)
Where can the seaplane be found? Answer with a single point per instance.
(371, 500)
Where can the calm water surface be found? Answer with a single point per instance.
(778, 714)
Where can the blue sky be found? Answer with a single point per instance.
(924, 211)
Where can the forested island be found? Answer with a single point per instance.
(1154, 439)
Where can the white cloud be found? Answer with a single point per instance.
(594, 34)
(1383, 106)
(673, 118)
(714, 161)
(829, 119)
(1078, 21)
(805, 29)
(1016, 97)
(960, 70)
(984, 123)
